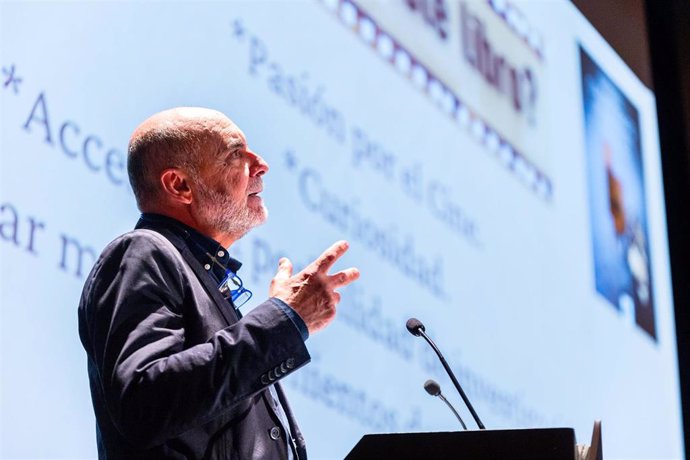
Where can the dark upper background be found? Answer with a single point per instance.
(653, 38)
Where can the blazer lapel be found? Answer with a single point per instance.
(223, 306)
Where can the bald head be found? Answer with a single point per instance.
(181, 138)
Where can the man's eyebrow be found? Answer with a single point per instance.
(233, 146)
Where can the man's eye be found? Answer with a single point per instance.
(234, 155)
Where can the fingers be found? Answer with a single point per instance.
(326, 260)
(284, 269)
(343, 278)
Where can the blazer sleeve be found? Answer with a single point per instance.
(154, 383)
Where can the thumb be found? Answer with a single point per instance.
(284, 268)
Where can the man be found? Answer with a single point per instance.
(175, 370)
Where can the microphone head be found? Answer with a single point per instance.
(415, 326)
(432, 387)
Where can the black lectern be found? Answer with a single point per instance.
(523, 444)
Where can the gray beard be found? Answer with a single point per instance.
(219, 212)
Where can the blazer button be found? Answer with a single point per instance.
(283, 368)
(275, 433)
(290, 363)
(264, 379)
(277, 371)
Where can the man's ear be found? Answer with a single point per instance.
(176, 186)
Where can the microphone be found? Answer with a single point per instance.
(416, 328)
(434, 389)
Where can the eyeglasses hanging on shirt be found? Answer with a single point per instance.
(231, 288)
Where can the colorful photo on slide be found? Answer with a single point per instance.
(618, 217)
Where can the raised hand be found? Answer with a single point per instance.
(311, 292)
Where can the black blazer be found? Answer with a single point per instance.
(173, 371)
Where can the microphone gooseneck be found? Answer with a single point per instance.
(416, 328)
(434, 389)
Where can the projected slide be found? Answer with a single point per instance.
(493, 164)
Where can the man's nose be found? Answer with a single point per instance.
(257, 165)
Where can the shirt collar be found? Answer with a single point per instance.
(209, 252)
